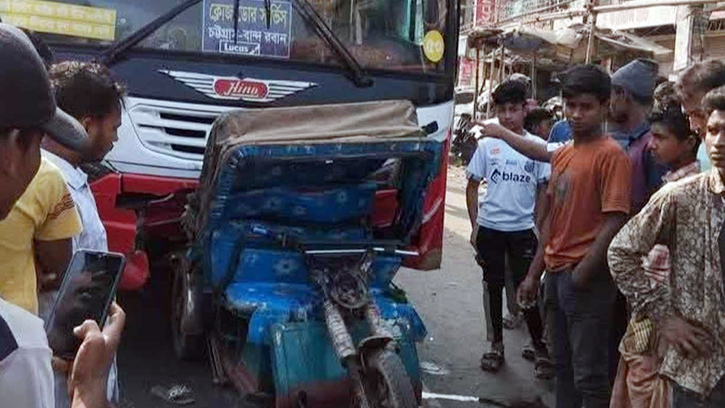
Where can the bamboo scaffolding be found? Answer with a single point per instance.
(592, 31)
(476, 89)
(490, 84)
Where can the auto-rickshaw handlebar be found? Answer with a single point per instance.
(291, 242)
(357, 251)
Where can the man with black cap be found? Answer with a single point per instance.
(633, 88)
(632, 96)
(28, 112)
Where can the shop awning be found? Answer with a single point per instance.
(620, 39)
(569, 44)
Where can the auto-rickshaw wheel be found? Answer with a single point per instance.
(186, 346)
(386, 382)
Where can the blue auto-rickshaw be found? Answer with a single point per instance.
(302, 219)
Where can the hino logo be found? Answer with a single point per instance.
(234, 88)
(239, 88)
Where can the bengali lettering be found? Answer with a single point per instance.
(253, 35)
(216, 12)
(249, 14)
(279, 16)
(220, 33)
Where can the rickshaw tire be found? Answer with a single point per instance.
(186, 346)
(387, 364)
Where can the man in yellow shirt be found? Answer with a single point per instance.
(44, 217)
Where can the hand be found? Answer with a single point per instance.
(89, 370)
(474, 236)
(493, 130)
(690, 341)
(528, 291)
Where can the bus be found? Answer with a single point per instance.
(186, 62)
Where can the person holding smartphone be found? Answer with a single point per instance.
(87, 92)
(28, 111)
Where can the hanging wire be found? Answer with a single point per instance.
(268, 7)
(236, 20)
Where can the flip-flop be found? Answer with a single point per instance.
(544, 369)
(178, 394)
(528, 352)
(493, 359)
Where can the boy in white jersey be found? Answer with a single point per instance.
(503, 224)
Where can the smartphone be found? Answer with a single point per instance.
(87, 291)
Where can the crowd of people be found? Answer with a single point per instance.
(604, 224)
(616, 246)
(72, 110)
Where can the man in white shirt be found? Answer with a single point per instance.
(503, 224)
(87, 92)
(27, 112)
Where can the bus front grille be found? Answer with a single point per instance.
(172, 128)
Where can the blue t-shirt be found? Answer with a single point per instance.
(560, 132)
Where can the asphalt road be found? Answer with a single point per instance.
(449, 300)
(146, 359)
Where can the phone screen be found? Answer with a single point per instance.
(88, 288)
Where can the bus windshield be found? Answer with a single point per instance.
(397, 35)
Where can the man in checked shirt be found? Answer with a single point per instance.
(688, 311)
(638, 383)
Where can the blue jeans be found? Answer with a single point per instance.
(583, 320)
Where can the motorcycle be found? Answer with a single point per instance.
(299, 225)
(464, 140)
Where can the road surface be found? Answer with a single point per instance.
(449, 301)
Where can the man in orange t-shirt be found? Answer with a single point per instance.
(588, 201)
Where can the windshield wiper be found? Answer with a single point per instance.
(306, 10)
(114, 52)
(359, 77)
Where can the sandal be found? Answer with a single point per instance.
(178, 394)
(493, 359)
(544, 368)
(528, 352)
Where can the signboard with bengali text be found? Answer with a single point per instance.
(638, 18)
(60, 18)
(253, 36)
(484, 11)
(465, 72)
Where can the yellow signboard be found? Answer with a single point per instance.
(60, 18)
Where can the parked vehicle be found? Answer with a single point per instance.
(464, 103)
(298, 227)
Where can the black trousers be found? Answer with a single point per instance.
(520, 246)
(583, 325)
(683, 398)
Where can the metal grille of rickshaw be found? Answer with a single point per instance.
(173, 128)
